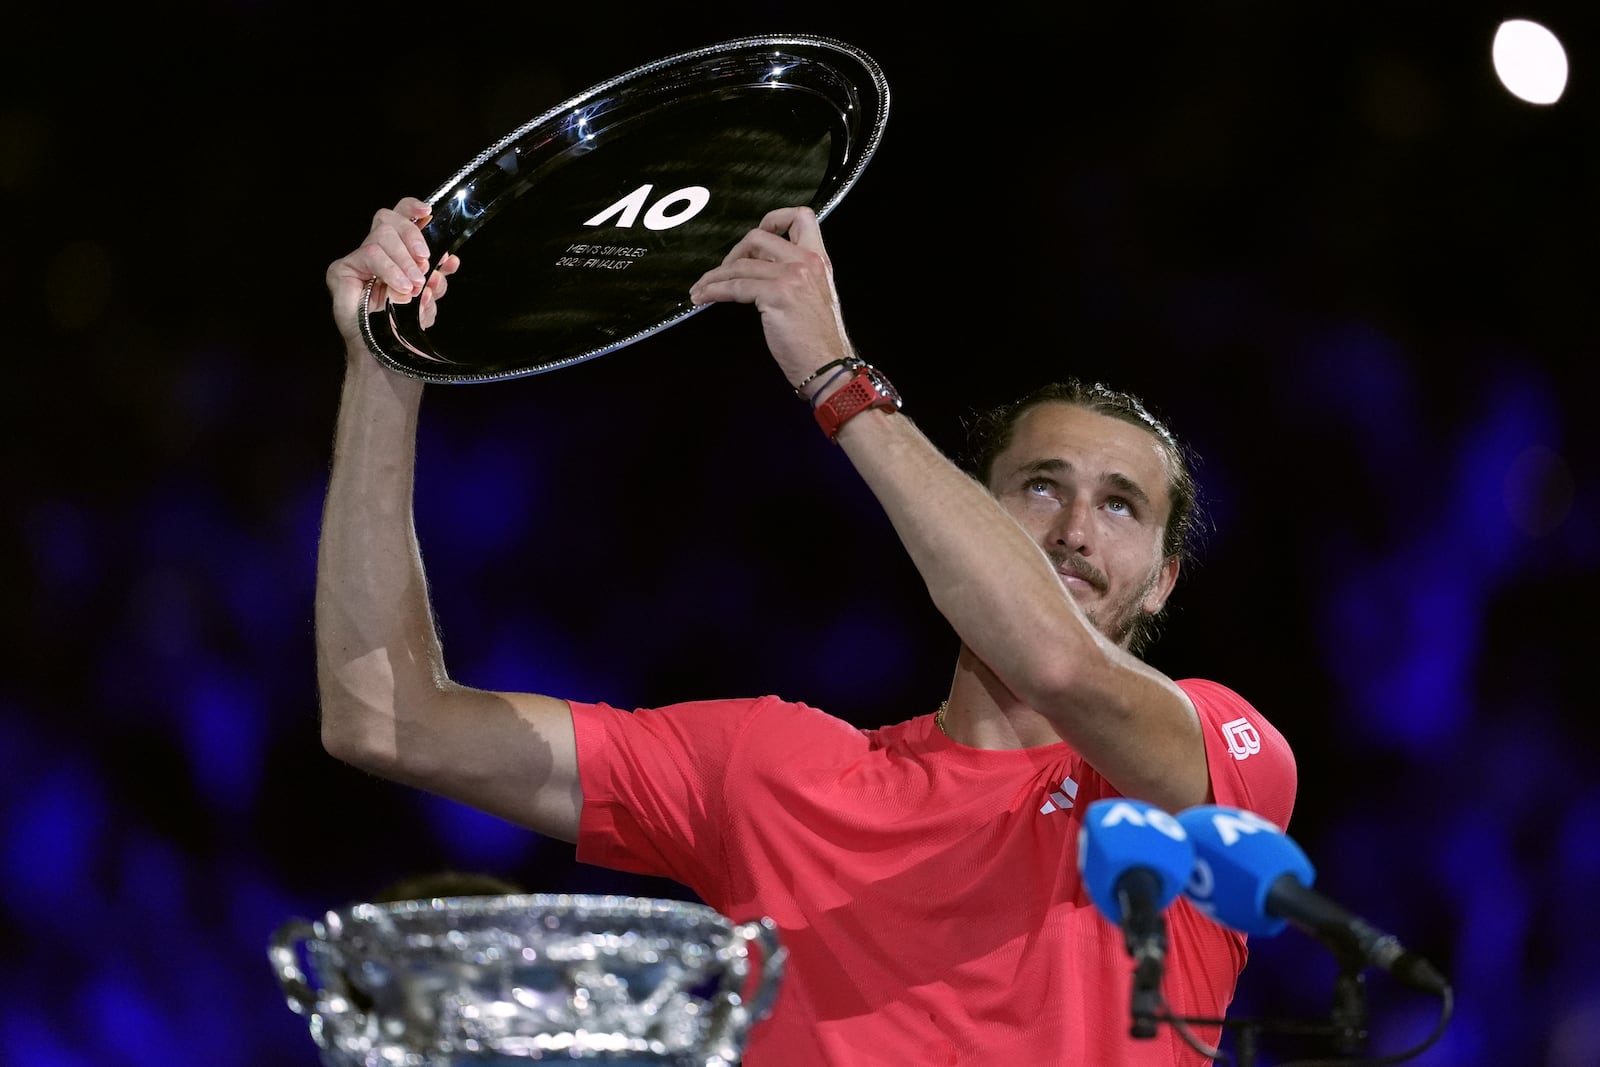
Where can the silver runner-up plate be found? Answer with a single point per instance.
(588, 224)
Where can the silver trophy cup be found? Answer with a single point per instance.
(446, 982)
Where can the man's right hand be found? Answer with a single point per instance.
(395, 258)
(782, 267)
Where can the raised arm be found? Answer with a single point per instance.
(989, 577)
(388, 703)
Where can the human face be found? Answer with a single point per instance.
(1092, 491)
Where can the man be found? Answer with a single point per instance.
(923, 876)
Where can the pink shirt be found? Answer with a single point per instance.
(927, 892)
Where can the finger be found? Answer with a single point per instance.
(416, 210)
(748, 267)
(804, 230)
(427, 308)
(781, 220)
(400, 236)
(437, 284)
(759, 244)
(379, 295)
(371, 264)
(407, 219)
(387, 257)
(741, 282)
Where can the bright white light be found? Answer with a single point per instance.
(1530, 61)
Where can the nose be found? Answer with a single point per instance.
(1071, 529)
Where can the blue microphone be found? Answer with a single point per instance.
(1249, 876)
(1134, 859)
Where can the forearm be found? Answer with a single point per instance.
(376, 644)
(984, 573)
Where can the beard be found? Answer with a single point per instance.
(1124, 620)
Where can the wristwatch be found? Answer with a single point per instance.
(867, 388)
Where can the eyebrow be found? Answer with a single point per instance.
(1112, 480)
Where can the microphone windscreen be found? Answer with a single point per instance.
(1238, 857)
(1119, 835)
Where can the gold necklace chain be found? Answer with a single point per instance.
(938, 718)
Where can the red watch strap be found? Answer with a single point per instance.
(867, 388)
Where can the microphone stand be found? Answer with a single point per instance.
(1346, 1025)
(1145, 933)
(1145, 1006)
(1349, 1015)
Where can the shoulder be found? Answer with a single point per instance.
(1221, 706)
(1251, 763)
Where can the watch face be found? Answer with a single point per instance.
(581, 232)
(885, 387)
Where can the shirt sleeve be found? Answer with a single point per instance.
(1251, 764)
(652, 783)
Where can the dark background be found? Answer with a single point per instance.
(1347, 266)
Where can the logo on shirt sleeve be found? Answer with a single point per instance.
(1244, 740)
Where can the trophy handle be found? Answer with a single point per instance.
(283, 951)
(773, 958)
(739, 1005)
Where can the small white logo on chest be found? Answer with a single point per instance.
(1061, 798)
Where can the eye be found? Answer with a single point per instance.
(1038, 486)
(1118, 506)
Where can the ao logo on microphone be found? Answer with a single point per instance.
(1230, 826)
(1121, 811)
(673, 209)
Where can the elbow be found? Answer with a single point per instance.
(1058, 660)
(338, 740)
(1071, 678)
(346, 739)
(360, 733)
(359, 711)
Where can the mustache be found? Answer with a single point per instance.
(1076, 564)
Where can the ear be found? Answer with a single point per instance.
(1161, 587)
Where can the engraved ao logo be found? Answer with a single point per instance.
(1244, 740)
(673, 209)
